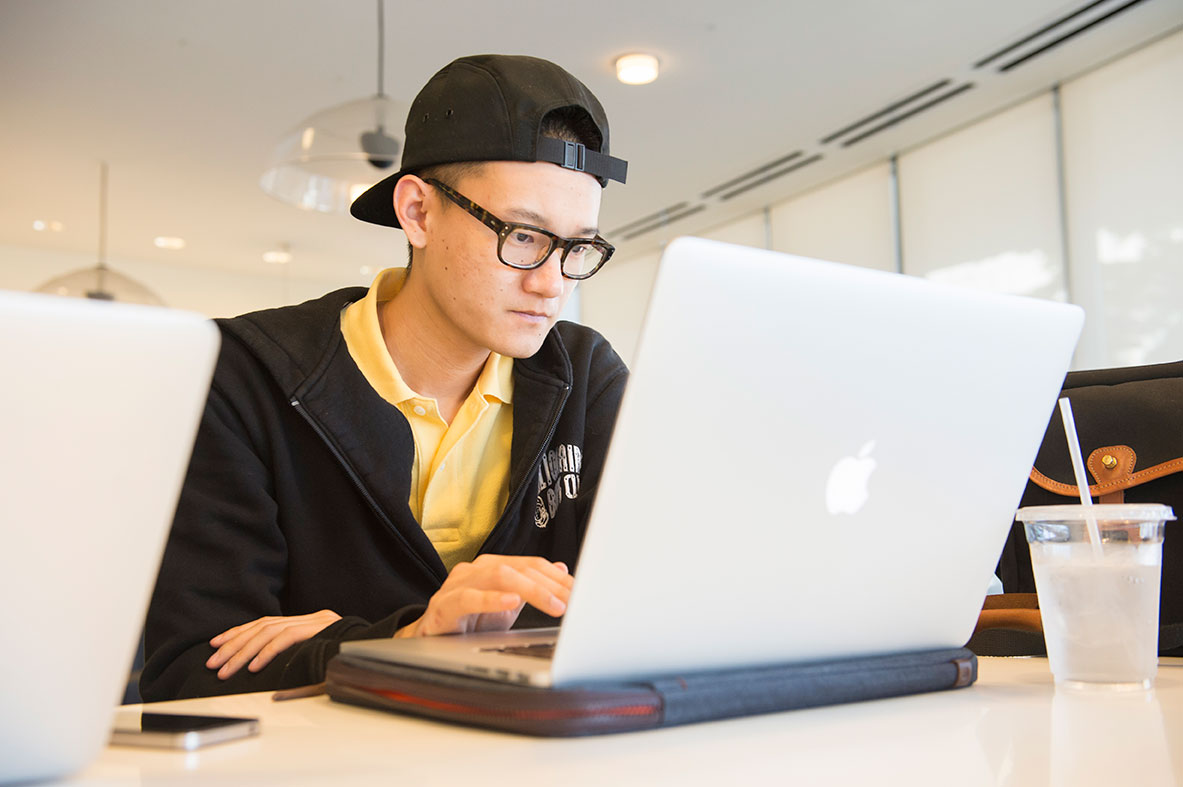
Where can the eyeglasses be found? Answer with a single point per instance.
(525, 247)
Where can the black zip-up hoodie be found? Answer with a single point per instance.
(296, 495)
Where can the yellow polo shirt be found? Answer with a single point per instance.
(460, 475)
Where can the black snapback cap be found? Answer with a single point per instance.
(490, 108)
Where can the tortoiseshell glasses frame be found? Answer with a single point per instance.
(525, 247)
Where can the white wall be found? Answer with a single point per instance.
(212, 292)
(614, 301)
(747, 231)
(981, 207)
(990, 205)
(1123, 153)
(848, 220)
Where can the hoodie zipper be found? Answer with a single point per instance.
(357, 482)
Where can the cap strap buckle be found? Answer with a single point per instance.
(574, 155)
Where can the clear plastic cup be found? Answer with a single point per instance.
(1099, 607)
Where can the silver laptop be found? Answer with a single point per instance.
(811, 461)
(99, 406)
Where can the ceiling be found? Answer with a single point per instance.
(186, 98)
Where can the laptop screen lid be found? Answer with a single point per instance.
(98, 412)
(811, 460)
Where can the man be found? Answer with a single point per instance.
(417, 459)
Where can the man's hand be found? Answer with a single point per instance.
(260, 641)
(489, 593)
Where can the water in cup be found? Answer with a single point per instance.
(1101, 616)
(1099, 602)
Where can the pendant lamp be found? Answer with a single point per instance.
(336, 154)
(100, 283)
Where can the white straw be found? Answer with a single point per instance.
(1082, 483)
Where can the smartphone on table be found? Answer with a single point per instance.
(179, 731)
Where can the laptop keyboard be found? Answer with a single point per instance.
(540, 650)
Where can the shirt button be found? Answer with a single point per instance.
(419, 410)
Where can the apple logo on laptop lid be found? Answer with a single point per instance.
(846, 487)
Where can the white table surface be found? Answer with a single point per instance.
(1011, 728)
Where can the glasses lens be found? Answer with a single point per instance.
(524, 247)
(583, 258)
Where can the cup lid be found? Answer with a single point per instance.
(1103, 511)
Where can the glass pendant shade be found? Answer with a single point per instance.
(336, 154)
(100, 283)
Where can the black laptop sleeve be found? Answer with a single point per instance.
(636, 705)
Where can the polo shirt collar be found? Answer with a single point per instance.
(496, 378)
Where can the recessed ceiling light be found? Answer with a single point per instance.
(365, 270)
(40, 225)
(172, 244)
(278, 256)
(636, 69)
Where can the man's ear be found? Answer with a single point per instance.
(410, 205)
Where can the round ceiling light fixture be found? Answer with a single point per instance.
(637, 68)
(100, 283)
(339, 152)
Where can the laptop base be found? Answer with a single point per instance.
(598, 708)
